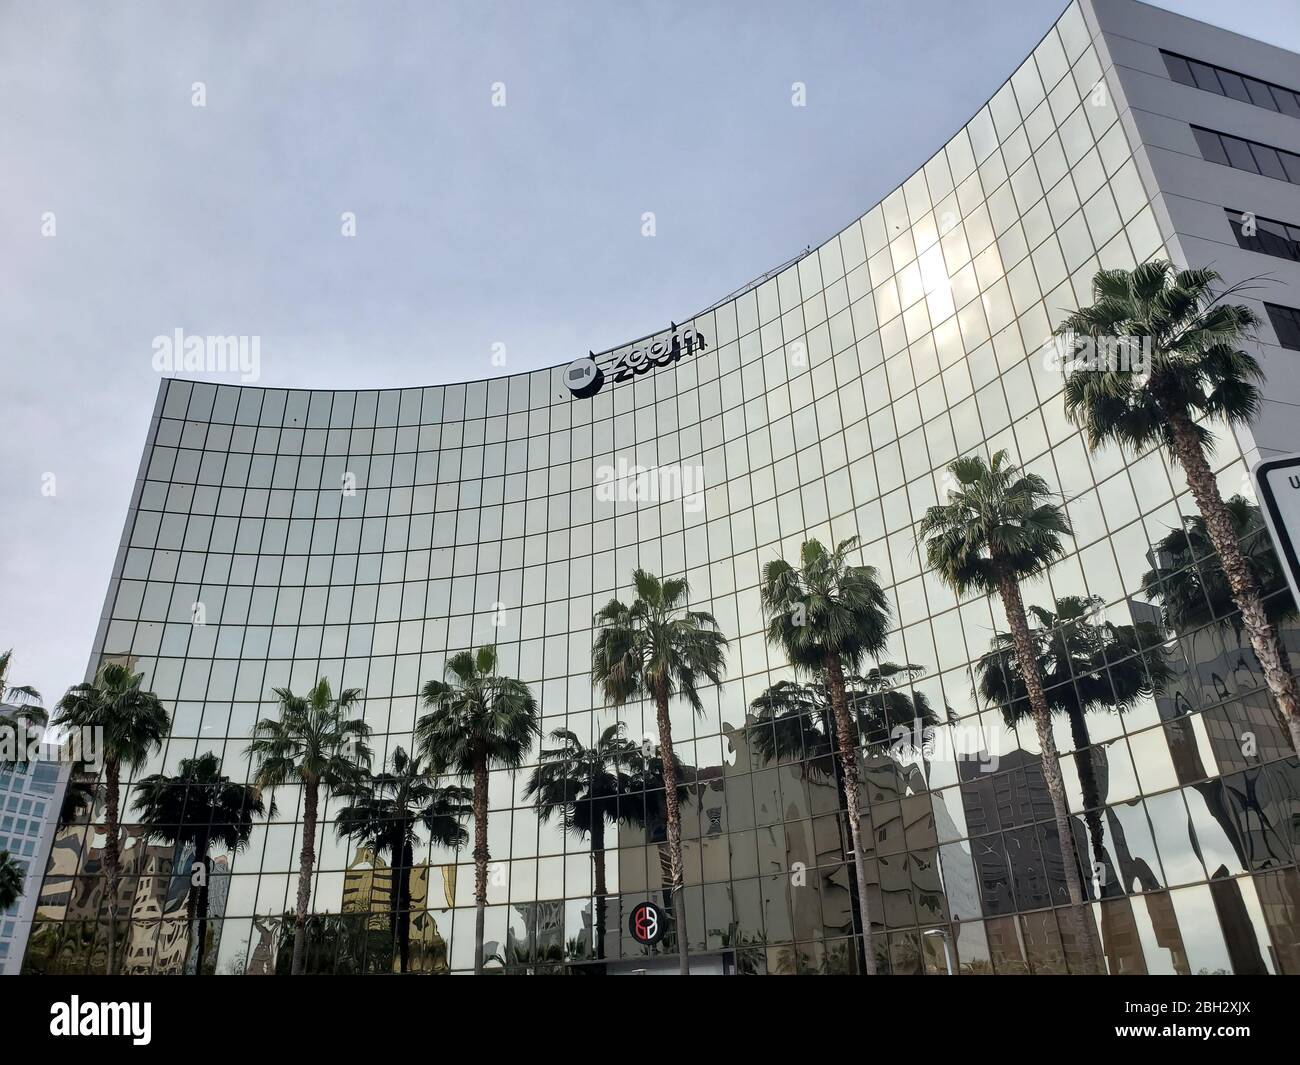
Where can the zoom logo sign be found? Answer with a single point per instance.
(584, 378)
(648, 923)
(657, 353)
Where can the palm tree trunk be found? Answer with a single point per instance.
(402, 889)
(192, 917)
(392, 926)
(203, 921)
(666, 870)
(856, 922)
(1091, 789)
(112, 857)
(674, 825)
(1024, 645)
(1245, 589)
(201, 855)
(394, 848)
(307, 859)
(598, 860)
(846, 737)
(480, 856)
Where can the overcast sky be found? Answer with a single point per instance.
(475, 225)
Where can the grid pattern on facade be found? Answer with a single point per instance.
(828, 403)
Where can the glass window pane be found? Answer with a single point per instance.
(1210, 145)
(1179, 70)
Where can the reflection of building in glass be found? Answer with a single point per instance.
(826, 401)
(368, 890)
(28, 811)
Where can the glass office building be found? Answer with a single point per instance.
(365, 536)
(27, 820)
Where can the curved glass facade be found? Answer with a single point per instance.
(278, 536)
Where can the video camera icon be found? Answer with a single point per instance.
(584, 377)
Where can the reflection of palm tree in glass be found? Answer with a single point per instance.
(587, 787)
(802, 719)
(383, 812)
(794, 721)
(134, 724)
(198, 807)
(59, 947)
(532, 958)
(749, 948)
(1188, 581)
(336, 944)
(1085, 665)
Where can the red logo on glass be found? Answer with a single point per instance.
(646, 923)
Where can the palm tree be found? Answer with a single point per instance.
(134, 724)
(19, 703)
(1198, 372)
(1000, 527)
(22, 697)
(656, 648)
(587, 787)
(11, 881)
(1187, 578)
(646, 807)
(796, 721)
(315, 742)
(827, 616)
(1085, 665)
(383, 811)
(477, 720)
(198, 807)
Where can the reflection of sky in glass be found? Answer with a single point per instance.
(828, 402)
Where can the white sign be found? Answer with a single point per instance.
(1277, 484)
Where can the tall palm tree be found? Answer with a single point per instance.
(134, 724)
(198, 807)
(1000, 527)
(316, 743)
(655, 648)
(477, 720)
(1085, 665)
(794, 720)
(1198, 373)
(11, 881)
(383, 812)
(587, 787)
(828, 616)
(646, 806)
